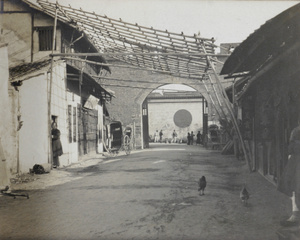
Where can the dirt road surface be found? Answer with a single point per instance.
(150, 194)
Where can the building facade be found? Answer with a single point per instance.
(41, 90)
(267, 91)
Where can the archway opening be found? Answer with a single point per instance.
(172, 111)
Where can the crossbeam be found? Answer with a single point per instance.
(136, 54)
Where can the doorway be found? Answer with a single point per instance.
(172, 108)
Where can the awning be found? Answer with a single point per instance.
(89, 84)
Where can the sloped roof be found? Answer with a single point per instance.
(271, 39)
(27, 69)
(90, 48)
(172, 53)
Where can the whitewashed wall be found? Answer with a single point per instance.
(33, 136)
(59, 108)
(161, 117)
(7, 125)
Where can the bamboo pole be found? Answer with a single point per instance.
(120, 22)
(226, 100)
(211, 99)
(133, 67)
(167, 66)
(126, 86)
(50, 154)
(192, 63)
(217, 96)
(110, 31)
(141, 53)
(18, 135)
(192, 83)
(209, 94)
(179, 71)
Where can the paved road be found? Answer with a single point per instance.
(151, 194)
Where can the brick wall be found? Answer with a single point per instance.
(132, 86)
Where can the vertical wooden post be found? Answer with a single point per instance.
(4, 181)
(50, 157)
(18, 135)
(133, 134)
(233, 92)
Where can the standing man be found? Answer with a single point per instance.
(156, 136)
(56, 145)
(174, 137)
(160, 135)
(289, 183)
(188, 138)
(192, 138)
(199, 137)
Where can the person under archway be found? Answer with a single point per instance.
(188, 138)
(156, 136)
(174, 137)
(160, 136)
(199, 138)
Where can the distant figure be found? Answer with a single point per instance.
(56, 144)
(160, 135)
(202, 185)
(237, 146)
(199, 138)
(192, 138)
(188, 139)
(156, 135)
(174, 137)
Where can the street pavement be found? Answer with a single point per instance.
(150, 194)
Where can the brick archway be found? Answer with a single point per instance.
(130, 95)
(143, 94)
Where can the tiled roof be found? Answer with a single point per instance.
(27, 68)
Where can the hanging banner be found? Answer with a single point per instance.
(91, 102)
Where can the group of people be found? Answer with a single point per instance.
(190, 138)
(158, 137)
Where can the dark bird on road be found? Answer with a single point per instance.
(202, 185)
(244, 195)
